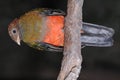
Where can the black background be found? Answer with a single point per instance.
(27, 63)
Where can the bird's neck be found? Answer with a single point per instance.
(31, 28)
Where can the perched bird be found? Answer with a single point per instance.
(43, 29)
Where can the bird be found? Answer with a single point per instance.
(43, 29)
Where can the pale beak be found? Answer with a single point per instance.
(18, 40)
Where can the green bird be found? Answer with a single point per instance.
(43, 29)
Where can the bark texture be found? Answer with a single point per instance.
(71, 63)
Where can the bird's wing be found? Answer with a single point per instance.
(48, 47)
(52, 12)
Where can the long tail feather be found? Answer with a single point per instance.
(96, 35)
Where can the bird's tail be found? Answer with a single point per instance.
(96, 35)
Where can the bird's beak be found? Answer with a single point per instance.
(18, 40)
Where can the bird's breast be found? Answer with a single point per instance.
(54, 34)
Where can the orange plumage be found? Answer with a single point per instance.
(55, 34)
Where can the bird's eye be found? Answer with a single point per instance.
(14, 31)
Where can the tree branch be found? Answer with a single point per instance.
(71, 64)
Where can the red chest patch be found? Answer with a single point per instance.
(55, 34)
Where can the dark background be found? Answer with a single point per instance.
(27, 63)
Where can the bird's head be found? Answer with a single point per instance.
(13, 30)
